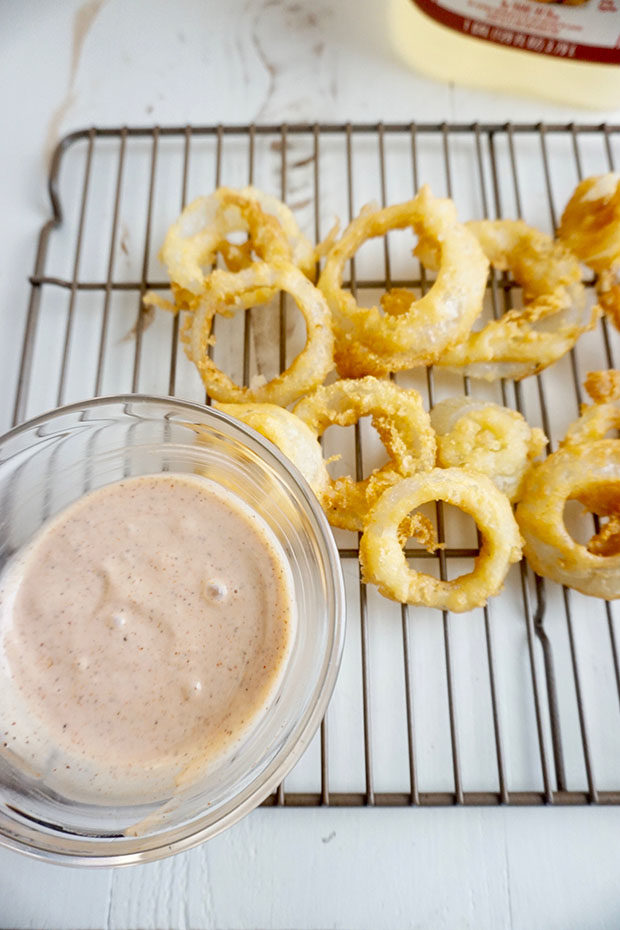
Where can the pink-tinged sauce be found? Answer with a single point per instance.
(143, 631)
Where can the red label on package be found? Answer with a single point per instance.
(588, 31)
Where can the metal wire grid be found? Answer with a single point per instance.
(553, 786)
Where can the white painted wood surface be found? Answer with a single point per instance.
(65, 65)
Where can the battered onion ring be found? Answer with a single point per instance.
(400, 420)
(194, 240)
(590, 224)
(523, 342)
(371, 342)
(587, 472)
(383, 560)
(292, 437)
(590, 227)
(227, 292)
(594, 423)
(487, 438)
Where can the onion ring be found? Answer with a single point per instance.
(522, 342)
(590, 227)
(590, 224)
(227, 292)
(588, 472)
(400, 420)
(487, 438)
(292, 437)
(371, 342)
(194, 240)
(383, 560)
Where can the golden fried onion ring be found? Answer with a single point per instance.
(402, 423)
(588, 472)
(590, 227)
(292, 437)
(590, 224)
(594, 423)
(227, 292)
(383, 560)
(194, 240)
(487, 438)
(524, 341)
(412, 332)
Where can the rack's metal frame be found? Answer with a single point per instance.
(554, 784)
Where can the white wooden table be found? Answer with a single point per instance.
(65, 65)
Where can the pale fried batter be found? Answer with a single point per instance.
(555, 313)
(590, 224)
(487, 438)
(594, 422)
(590, 227)
(588, 472)
(193, 242)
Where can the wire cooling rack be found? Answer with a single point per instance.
(517, 703)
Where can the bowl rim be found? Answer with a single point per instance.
(283, 761)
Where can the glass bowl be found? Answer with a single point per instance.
(51, 461)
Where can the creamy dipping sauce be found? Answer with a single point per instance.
(143, 631)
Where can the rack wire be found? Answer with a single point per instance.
(517, 703)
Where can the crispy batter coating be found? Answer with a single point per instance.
(555, 313)
(402, 423)
(594, 422)
(607, 541)
(487, 438)
(608, 290)
(590, 224)
(603, 386)
(409, 332)
(383, 561)
(590, 227)
(417, 526)
(585, 468)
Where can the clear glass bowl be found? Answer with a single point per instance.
(48, 463)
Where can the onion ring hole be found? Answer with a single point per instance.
(264, 340)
